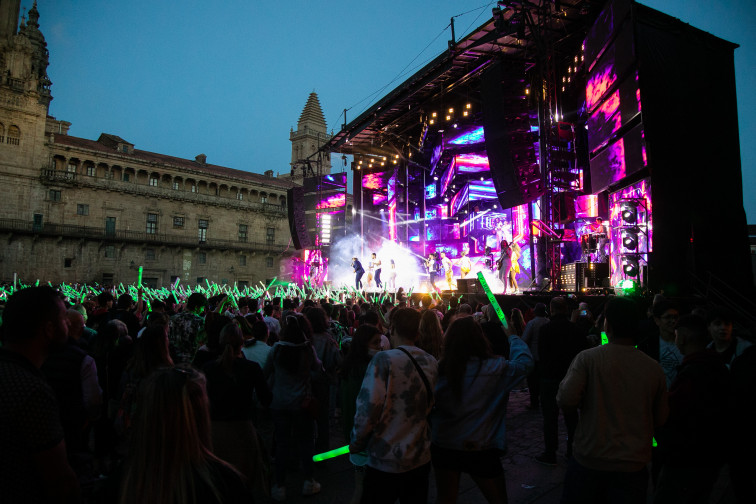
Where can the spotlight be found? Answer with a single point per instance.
(629, 212)
(630, 266)
(630, 238)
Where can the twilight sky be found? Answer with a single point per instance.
(229, 79)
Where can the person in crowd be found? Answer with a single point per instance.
(517, 322)
(256, 348)
(125, 313)
(743, 418)
(99, 315)
(366, 343)
(430, 336)
(391, 419)
(72, 374)
(171, 460)
(468, 422)
(494, 331)
(728, 348)
(188, 329)
(210, 349)
(291, 363)
(111, 350)
(690, 444)
(151, 353)
(33, 465)
(328, 353)
(621, 394)
(661, 346)
(271, 319)
(530, 336)
(232, 384)
(559, 342)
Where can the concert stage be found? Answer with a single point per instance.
(537, 142)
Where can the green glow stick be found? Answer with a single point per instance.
(604, 338)
(37, 284)
(139, 277)
(331, 454)
(492, 299)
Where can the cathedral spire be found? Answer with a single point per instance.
(312, 116)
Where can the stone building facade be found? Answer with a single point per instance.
(79, 210)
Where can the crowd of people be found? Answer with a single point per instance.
(208, 400)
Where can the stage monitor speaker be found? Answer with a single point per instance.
(469, 286)
(509, 144)
(297, 222)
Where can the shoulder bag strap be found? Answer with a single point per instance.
(422, 375)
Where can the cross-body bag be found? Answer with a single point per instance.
(422, 375)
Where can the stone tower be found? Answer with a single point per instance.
(311, 134)
(24, 89)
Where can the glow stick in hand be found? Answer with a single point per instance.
(330, 454)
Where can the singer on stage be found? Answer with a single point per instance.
(358, 272)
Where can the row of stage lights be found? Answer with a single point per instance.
(573, 70)
(378, 160)
(450, 114)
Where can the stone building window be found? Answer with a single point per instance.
(270, 235)
(152, 220)
(242, 232)
(194, 188)
(269, 262)
(54, 195)
(14, 136)
(91, 171)
(263, 198)
(110, 251)
(202, 258)
(175, 186)
(125, 177)
(67, 262)
(82, 209)
(154, 181)
(242, 260)
(178, 221)
(202, 225)
(149, 254)
(2, 133)
(239, 196)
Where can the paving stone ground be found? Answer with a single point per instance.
(528, 482)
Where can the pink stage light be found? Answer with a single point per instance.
(333, 201)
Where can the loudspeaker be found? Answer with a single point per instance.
(509, 144)
(469, 286)
(297, 222)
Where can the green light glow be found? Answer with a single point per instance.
(604, 338)
(330, 454)
(492, 299)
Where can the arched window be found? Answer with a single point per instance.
(14, 135)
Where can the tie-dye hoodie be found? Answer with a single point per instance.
(391, 420)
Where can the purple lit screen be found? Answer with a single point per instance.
(471, 163)
(468, 136)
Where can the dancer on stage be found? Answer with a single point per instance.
(376, 263)
(446, 264)
(465, 265)
(358, 272)
(392, 276)
(515, 269)
(505, 263)
(432, 267)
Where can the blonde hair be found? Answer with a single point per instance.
(170, 454)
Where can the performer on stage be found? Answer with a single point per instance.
(446, 264)
(432, 267)
(392, 276)
(376, 263)
(600, 232)
(505, 263)
(464, 264)
(358, 272)
(515, 269)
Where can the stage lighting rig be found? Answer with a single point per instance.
(629, 212)
(630, 238)
(630, 266)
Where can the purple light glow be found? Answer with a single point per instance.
(334, 201)
(379, 198)
(598, 85)
(471, 163)
(469, 137)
